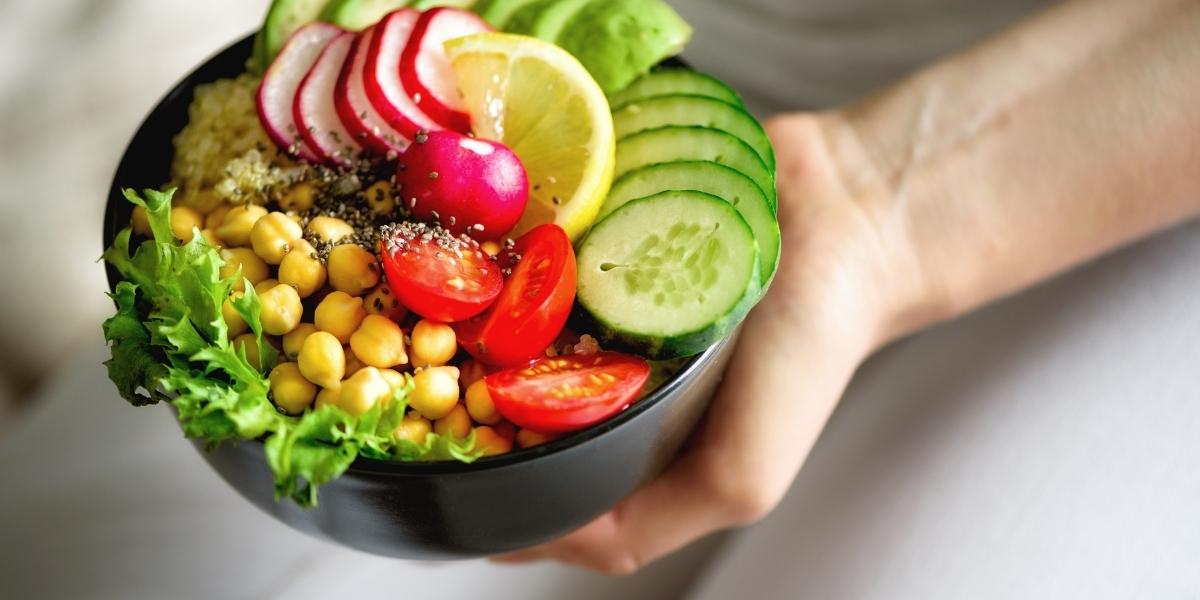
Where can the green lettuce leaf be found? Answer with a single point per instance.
(134, 367)
(169, 341)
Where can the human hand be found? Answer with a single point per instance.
(828, 308)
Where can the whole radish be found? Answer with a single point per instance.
(468, 185)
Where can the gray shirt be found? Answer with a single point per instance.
(791, 54)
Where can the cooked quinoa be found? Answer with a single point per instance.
(223, 154)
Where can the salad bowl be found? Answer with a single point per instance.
(441, 511)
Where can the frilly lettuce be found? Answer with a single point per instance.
(170, 343)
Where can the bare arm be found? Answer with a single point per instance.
(1071, 135)
(1068, 136)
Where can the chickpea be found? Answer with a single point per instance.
(290, 390)
(480, 406)
(471, 371)
(353, 364)
(457, 424)
(380, 198)
(395, 378)
(211, 237)
(141, 222)
(528, 438)
(433, 344)
(379, 342)
(265, 285)
(216, 218)
(363, 391)
(340, 314)
(253, 267)
(381, 301)
(352, 269)
(293, 341)
(322, 360)
(413, 428)
(491, 442)
(184, 222)
(302, 269)
(249, 345)
(491, 248)
(300, 198)
(330, 229)
(329, 396)
(273, 237)
(203, 200)
(281, 310)
(233, 319)
(239, 221)
(435, 392)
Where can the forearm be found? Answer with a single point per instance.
(1066, 137)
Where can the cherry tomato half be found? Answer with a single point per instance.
(534, 306)
(568, 393)
(437, 275)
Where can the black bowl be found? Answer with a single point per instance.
(443, 510)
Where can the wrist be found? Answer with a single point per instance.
(889, 280)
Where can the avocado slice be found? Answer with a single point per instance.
(545, 19)
(283, 19)
(498, 12)
(357, 15)
(426, 4)
(620, 40)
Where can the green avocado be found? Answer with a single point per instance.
(620, 40)
(498, 12)
(544, 19)
(357, 15)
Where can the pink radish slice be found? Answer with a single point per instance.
(277, 93)
(381, 76)
(318, 119)
(425, 69)
(354, 108)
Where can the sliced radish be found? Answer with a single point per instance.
(319, 123)
(358, 115)
(381, 76)
(277, 93)
(425, 69)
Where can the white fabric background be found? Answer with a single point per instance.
(1045, 448)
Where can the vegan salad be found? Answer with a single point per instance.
(424, 231)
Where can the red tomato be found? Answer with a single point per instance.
(437, 275)
(534, 306)
(568, 393)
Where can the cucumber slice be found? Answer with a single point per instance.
(669, 275)
(283, 19)
(675, 80)
(545, 19)
(679, 109)
(357, 15)
(710, 178)
(498, 12)
(675, 143)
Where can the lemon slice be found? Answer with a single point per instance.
(540, 101)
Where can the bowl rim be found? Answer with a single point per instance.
(361, 464)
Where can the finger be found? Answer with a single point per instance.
(745, 456)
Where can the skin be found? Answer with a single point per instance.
(1069, 136)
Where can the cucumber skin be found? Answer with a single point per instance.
(761, 144)
(768, 186)
(770, 263)
(683, 345)
(678, 346)
(638, 89)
